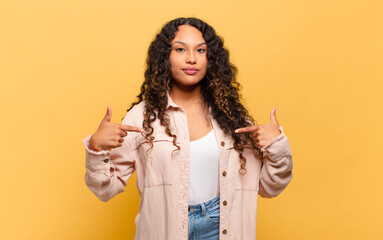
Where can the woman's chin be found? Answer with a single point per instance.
(186, 86)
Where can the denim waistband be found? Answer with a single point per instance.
(198, 206)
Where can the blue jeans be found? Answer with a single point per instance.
(204, 220)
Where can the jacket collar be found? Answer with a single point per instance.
(171, 103)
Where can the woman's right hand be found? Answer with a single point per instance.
(110, 135)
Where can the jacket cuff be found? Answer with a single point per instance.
(278, 147)
(96, 161)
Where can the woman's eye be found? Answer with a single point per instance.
(201, 50)
(180, 49)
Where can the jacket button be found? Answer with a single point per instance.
(224, 173)
(106, 160)
(224, 203)
(224, 231)
(222, 143)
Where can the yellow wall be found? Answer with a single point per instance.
(319, 62)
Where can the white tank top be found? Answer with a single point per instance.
(204, 169)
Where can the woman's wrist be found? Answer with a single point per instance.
(92, 146)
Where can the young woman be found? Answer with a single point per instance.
(199, 159)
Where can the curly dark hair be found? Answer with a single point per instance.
(219, 88)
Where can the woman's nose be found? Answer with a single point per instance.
(190, 58)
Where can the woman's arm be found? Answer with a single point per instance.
(107, 171)
(276, 172)
(277, 166)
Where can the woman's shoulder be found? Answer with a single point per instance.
(135, 115)
(139, 107)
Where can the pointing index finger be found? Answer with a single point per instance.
(246, 129)
(131, 128)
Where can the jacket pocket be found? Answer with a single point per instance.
(157, 161)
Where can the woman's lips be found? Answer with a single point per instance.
(190, 71)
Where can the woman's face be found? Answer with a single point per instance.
(188, 56)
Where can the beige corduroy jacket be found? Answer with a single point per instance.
(163, 178)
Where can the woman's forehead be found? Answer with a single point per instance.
(187, 34)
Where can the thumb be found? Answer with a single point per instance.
(273, 117)
(108, 115)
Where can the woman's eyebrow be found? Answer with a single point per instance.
(199, 44)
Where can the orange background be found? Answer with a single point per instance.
(319, 62)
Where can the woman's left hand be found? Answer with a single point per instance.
(262, 134)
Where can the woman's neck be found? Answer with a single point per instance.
(186, 97)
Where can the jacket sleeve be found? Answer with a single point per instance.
(107, 172)
(276, 172)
